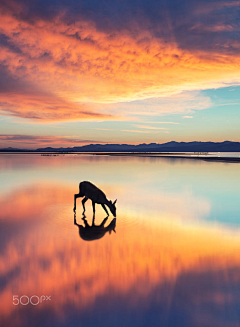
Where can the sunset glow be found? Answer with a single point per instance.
(70, 65)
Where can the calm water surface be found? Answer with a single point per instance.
(173, 261)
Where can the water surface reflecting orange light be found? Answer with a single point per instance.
(170, 263)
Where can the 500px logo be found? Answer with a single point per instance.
(34, 299)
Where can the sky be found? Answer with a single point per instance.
(100, 71)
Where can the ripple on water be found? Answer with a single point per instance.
(125, 220)
(62, 217)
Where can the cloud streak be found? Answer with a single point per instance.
(44, 140)
(149, 127)
(137, 131)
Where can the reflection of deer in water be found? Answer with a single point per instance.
(90, 233)
(92, 192)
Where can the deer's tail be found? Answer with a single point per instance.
(81, 191)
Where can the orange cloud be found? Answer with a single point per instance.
(83, 70)
(46, 108)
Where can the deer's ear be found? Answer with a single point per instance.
(115, 201)
(110, 201)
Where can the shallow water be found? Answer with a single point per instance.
(173, 261)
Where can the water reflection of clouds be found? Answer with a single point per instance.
(140, 271)
(29, 202)
(180, 269)
(32, 200)
(156, 270)
(183, 205)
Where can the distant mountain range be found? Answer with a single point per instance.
(226, 146)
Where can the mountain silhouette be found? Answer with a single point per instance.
(226, 146)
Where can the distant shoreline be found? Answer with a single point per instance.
(165, 155)
(171, 156)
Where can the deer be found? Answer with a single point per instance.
(94, 232)
(92, 192)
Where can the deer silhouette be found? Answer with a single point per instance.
(90, 233)
(92, 192)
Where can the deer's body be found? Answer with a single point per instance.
(92, 192)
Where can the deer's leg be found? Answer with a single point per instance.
(104, 207)
(75, 221)
(104, 222)
(83, 204)
(75, 197)
(93, 206)
(93, 220)
(85, 222)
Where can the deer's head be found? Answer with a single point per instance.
(112, 207)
